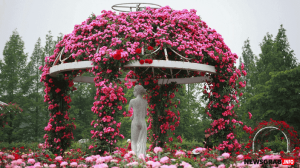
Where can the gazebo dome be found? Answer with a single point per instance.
(176, 56)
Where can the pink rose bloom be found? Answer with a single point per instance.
(164, 166)
(31, 161)
(82, 165)
(226, 155)
(213, 167)
(131, 153)
(52, 166)
(73, 164)
(100, 160)
(149, 163)
(141, 156)
(157, 149)
(11, 157)
(24, 156)
(19, 161)
(1, 153)
(266, 157)
(203, 159)
(221, 166)
(219, 159)
(240, 157)
(179, 153)
(200, 150)
(59, 158)
(155, 165)
(208, 164)
(108, 158)
(89, 159)
(37, 165)
(185, 164)
(114, 161)
(133, 164)
(102, 165)
(241, 164)
(40, 145)
(164, 159)
(277, 157)
(64, 163)
(172, 166)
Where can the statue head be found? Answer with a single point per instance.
(139, 89)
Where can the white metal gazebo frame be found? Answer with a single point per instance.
(184, 64)
(272, 128)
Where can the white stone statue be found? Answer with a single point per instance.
(138, 124)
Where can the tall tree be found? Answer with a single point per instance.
(276, 56)
(283, 97)
(35, 95)
(193, 121)
(13, 77)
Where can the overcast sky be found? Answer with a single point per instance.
(235, 20)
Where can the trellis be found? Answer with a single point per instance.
(272, 129)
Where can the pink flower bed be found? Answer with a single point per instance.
(154, 159)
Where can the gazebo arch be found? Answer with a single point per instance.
(161, 48)
(272, 128)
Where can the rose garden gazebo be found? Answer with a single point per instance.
(159, 48)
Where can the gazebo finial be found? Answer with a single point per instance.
(137, 6)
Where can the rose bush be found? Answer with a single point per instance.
(112, 41)
(120, 158)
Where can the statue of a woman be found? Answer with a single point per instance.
(138, 124)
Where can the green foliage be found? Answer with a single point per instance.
(188, 145)
(282, 97)
(272, 89)
(276, 145)
(82, 101)
(14, 74)
(193, 120)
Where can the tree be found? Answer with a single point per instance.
(35, 103)
(276, 56)
(82, 100)
(193, 121)
(283, 97)
(13, 79)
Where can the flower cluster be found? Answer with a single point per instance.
(154, 159)
(112, 41)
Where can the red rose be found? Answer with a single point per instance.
(142, 61)
(22, 147)
(150, 61)
(117, 56)
(150, 48)
(138, 50)
(146, 61)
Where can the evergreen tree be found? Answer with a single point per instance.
(35, 102)
(276, 56)
(82, 101)
(14, 75)
(193, 121)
